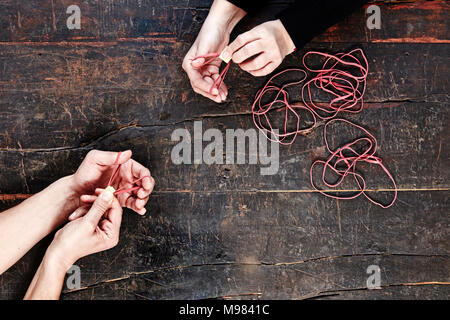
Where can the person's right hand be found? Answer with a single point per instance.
(95, 230)
(213, 37)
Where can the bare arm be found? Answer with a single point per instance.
(23, 226)
(96, 230)
(48, 280)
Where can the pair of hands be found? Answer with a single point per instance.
(258, 51)
(95, 225)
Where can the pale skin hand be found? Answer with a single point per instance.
(97, 168)
(262, 49)
(97, 230)
(22, 226)
(213, 37)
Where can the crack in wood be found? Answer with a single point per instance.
(130, 275)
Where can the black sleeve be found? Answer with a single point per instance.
(304, 20)
(247, 5)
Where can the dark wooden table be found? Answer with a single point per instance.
(225, 231)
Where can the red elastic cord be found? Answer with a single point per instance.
(342, 77)
(342, 80)
(276, 96)
(344, 160)
(210, 57)
(114, 175)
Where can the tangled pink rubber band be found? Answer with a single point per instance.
(344, 165)
(342, 77)
(346, 86)
(261, 110)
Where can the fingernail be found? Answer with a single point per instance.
(73, 215)
(215, 91)
(107, 195)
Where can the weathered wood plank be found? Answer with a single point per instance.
(411, 140)
(324, 278)
(225, 231)
(405, 21)
(73, 96)
(202, 246)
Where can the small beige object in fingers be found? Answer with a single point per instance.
(226, 60)
(110, 189)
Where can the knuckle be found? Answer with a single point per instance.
(102, 206)
(245, 51)
(240, 39)
(92, 154)
(58, 234)
(90, 223)
(115, 241)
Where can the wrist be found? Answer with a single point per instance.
(57, 260)
(288, 45)
(68, 188)
(225, 15)
(54, 262)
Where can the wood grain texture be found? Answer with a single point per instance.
(163, 21)
(226, 231)
(76, 95)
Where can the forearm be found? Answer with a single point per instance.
(23, 226)
(224, 14)
(48, 280)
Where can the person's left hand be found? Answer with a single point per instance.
(95, 229)
(262, 49)
(97, 168)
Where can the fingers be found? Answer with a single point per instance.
(136, 205)
(107, 158)
(264, 71)
(147, 182)
(247, 51)
(256, 63)
(198, 82)
(239, 42)
(197, 63)
(200, 76)
(86, 198)
(79, 212)
(102, 204)
(115, 214)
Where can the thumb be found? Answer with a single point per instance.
(197, 63)
(102, 204)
